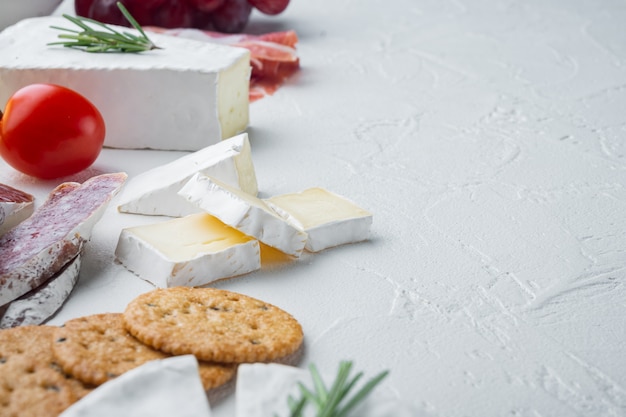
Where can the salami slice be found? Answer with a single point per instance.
(43, 244)
(36, 306)
(15, 206)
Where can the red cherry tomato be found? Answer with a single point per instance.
(48, 131)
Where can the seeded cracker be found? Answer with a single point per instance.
(97, 348)
(212, 324)
(31, 383)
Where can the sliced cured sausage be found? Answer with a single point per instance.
(43, 244)
(36, 306)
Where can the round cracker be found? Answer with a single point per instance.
(97, 348)
(31, 382)
(212, 324)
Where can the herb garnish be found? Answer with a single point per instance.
(333, 401)
(108, 40)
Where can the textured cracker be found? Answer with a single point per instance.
(31, 382)
(97, 348)
(212, 324)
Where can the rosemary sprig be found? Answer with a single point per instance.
(103, 38)
(333, 401)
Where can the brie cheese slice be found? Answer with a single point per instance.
(329, 219)
(189, 251)
(154, 192)
(161, 388)
(185, 96)
(244, 212)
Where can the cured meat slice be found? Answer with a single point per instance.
(272, 55)
(36, 306)
(15, 206)
(43, 244)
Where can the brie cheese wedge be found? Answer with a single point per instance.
(154, 192)
(244, 212)
(185, 96)
(263, 389)
(329, 219)
(189, 251)
(161, 388)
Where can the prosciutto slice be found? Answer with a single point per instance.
(272, 55)
(40, 246)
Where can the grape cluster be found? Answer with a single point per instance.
(228, 16)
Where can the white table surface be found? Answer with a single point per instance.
(488, 139)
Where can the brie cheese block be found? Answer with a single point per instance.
(245, 213)
(185, 96)
(15, 206)
(161, 388)
(329, 219)
(154, 192)
(189, 251)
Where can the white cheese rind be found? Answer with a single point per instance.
(262, 389)
(161, 388)
(155, 192)
(15, 207)
(244, 212)
(12, 214)
(185, 96)
(328, 219)
(147, 258)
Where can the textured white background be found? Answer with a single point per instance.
(488, 139)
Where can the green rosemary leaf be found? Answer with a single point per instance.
(337, 391)
(361, 394)
(131, 19)
(308, 395)
(65, 29)
(297, 407)
(318, 383)
(334, 401)
(133, 37)
(100, 37)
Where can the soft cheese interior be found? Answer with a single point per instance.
(185, 96)
(191, 251)
(187, 238)
(315, 207)
(328, 219)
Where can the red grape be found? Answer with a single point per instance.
(229, 16)
(145, 4)
(232, 17)
(81, 7)
(202, 20)
(106, 11)
(270, 7)
(173, 14)
(206, 5)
